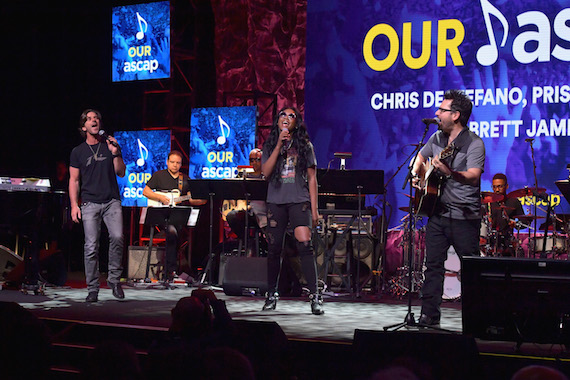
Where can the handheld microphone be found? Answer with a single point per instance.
(435, 120)
(284, 146)
(529, 140)
(103, 134)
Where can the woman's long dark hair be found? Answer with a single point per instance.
(300, 141)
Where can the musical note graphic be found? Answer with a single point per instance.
(222, 139)
(488, 54)
(140, 34)
(143, 157)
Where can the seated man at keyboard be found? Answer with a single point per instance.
(164, 188)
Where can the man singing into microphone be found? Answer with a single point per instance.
(94, 165)
(457, 216)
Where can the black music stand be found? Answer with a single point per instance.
(237, 188)
(564, 187)
(350, 182)
(164, 216)
(253, 189)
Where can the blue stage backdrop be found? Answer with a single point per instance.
(144, 152)
(141, 42)
(376, 68)
(220, 140)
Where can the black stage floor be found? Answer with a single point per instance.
(149, 309)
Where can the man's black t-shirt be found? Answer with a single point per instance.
(97, 172)
(163, 181)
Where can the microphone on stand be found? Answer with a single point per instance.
(529, 140)
(435, 120)
(103, 134)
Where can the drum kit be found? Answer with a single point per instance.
(504, 243)
(492, 241)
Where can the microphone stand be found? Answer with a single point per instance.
(409, 320)
(535, 198)
(384, 221)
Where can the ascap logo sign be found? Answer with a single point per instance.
(531, 44)
(140, 41)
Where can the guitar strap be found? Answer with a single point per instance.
(459, 141)
(180, 182)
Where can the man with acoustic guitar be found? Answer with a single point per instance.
(455, 218)
(165, 187)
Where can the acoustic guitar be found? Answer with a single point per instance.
(427, 195)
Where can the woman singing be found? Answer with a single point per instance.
(289, 163)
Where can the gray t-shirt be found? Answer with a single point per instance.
(293, 188)
(459, 200)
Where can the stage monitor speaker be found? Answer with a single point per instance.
(266, 346)
(137, 262)
(517, 300)
(434, 356)
(245, 276)
(8, 261)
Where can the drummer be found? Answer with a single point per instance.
(501, 214)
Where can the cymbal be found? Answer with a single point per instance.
(525, 192)
(489, 197)
(503, 207)
(527, 217)
(404, 209)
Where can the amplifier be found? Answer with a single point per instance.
(8, 261)
(340, 222)
(137, 262)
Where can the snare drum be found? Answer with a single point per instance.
(451, 282)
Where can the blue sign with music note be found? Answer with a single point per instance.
(220, 140)
(144, 153)
(141, 42)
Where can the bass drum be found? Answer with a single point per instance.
(452, 280)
